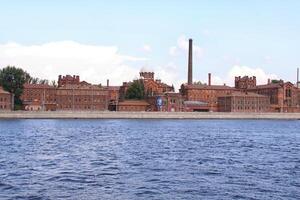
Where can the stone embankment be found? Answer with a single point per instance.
(145, 115)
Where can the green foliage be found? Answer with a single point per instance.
(199, 83)
(275, 81)
(135, 90)
(33, 80)
(12, 80)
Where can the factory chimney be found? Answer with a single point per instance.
(190, 63)
(209, 79)
(107, 82)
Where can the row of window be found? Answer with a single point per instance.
(76, 107)
(249, 108)
(81, 100)
(3, 99)
(3, 107)
(250, 102)
(131, 108)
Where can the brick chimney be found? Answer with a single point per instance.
(190, 63)
(209, 79)
(107, 82)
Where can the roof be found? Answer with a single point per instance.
(273, 85)
(28, 85)
(133, 103)
(112, 87)
(2, 91)
(208, 87)
(195, 103)
(266, 86)
(80, 87)
(242, 94)
(172, 94)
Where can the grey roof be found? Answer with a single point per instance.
(196, 103)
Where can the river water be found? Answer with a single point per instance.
(149, 159)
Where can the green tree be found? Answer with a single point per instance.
(12, 80)
(199, 83)
(135, 90)
(275, 81)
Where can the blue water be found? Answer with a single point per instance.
(149, 159)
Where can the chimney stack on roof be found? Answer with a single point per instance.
(107, 82)
(190, 63)
(209, 79)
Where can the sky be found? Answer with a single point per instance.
(116, 39)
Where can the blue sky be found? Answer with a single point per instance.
(232, 36)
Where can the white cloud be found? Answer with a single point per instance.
(261, 76)
(93, 63)
(147, 48)
(183, 46)
(237, 70)
(169, 74)
(173, 51)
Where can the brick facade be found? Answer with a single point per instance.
(39, 97)
(284, 96)
(245, 82)
(243, 102)
(205, 93)
(152, 87)
(70, 95)
(5, 100)
(68, 80)
(171, 102)
(133, 105)
(81, 97)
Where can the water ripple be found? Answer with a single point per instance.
(149, 159)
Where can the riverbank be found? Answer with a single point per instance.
(145, 115)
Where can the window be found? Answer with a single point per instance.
(288, 93)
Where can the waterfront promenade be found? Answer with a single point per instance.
(144, 115)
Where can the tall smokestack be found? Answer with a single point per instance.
(190, 63)
(107, 82)
(209, 79)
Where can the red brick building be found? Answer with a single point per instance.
(245, 82)
(5, 100)
(133, 106)
(243, 102)
(204, 95)
(171, 102)
(68, 80)
(284, 96)
(71, 94)
(39, 94)
(152, 87)
(81, 97)
(201, 97)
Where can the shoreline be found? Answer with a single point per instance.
(144, 115)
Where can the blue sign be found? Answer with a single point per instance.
(159, 102)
